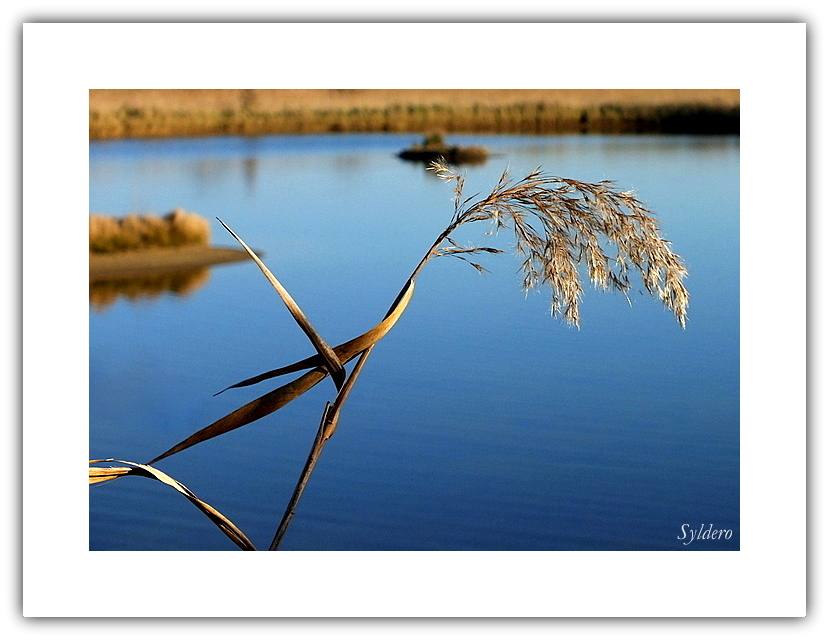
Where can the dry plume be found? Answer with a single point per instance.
(559, 225)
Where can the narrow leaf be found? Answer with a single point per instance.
(225, 525)
(345, 351)
(333, 364)
(278, 398)
(103, 474)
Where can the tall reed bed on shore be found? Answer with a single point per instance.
(533, 118)
(108, 234)
(564, 231)
(164, 113)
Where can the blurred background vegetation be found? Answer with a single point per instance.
(148, 113)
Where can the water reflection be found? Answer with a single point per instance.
(104, 292)
(250, 167)
(526, 435)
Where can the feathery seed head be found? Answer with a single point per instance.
(560, 224)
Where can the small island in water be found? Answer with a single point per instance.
(434, 147)
(137, 245)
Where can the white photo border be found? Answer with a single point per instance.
(767, 577)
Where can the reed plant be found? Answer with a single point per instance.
(178, 228)
(564, 230)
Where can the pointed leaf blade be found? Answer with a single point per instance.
(333, 364)
(222, 522)
(278, 398)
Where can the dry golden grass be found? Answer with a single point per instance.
(178, 228)
(332, 99)
(176, 112)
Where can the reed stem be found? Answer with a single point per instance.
(328, 424)
(310, 463)
(330, 414)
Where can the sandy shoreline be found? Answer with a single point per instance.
(149, 261)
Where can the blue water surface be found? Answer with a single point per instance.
(479, 422)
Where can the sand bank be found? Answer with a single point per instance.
(147, 261)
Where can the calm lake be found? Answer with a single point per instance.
(479, 422)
